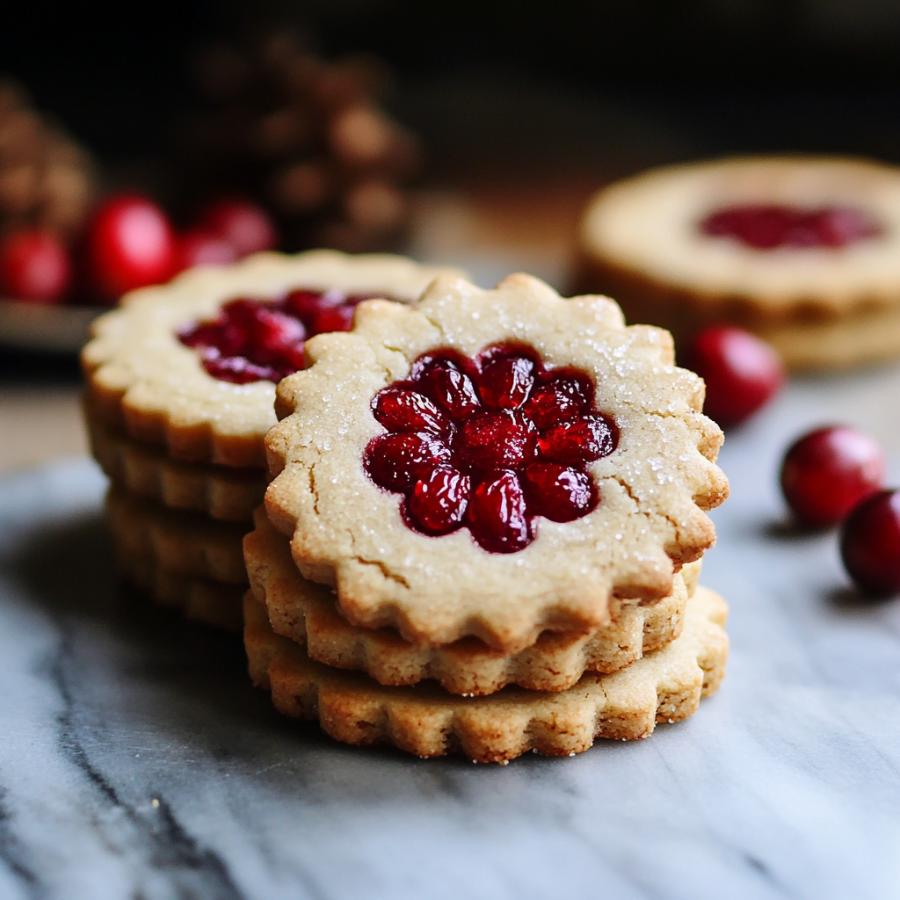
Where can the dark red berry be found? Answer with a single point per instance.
(561, 397)
(494, 440)
(306, 304)
(742, 372)
(579, 440)
(332, 318)
(870, 543)
(130, 244)
(769, 226)
(450, 388)
(402, 409)
(506, 382)
(497, 515)
(557, 492)
(438, 502)
(244, 225)
(34, 267)
(828, 471)
(396, 461)
(203, 248)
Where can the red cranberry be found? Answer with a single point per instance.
(506, 382)
(203, 248)
(561, 398)
(488, 467)
(403, 409)
(34, 267)
(870, 543)
(244, 225)
(449, 387)
(497, 515)
(438, 502)
(396, 461)
(558, 492)
(828, 471)
(332, 318)
(494, 440)
(130, 244)
(742, 372)
(578, 440)
(768, 226)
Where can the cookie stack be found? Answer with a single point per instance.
(180, 394)
(483, 528)
(800, 250)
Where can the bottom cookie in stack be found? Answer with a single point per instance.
(179, 559)
(650, 663)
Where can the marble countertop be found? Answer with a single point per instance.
(136, 760)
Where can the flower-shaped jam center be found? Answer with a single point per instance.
(489, 444)
(770, 226)
(262, 340)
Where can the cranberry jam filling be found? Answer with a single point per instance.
(489, 444)
(262, 340)
(769, 226)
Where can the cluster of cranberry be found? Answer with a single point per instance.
(832, 475)
(128, 243)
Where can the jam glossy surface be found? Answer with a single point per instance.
(263, 340)
(769, 226)
(489, 444)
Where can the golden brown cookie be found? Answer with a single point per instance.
(492, 464)
(221, 492)
(200, 600)
(179, 543)
(305, 613)
(664, 687)
(149, 363)
(802, 250)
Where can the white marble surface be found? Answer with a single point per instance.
(136, 761)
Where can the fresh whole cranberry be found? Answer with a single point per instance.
(257, 340)
(203, 248)
(130, 244)
(827, 472)
(489, 444)
(742, 372)
(242, 224)
(34, 267)
(770, 226)
(870, 543)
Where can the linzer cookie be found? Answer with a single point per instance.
(664, 687)
(492, 464)
(191, 365)
(305, 612)
(801, 250)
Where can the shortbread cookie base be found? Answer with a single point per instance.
(144, 381)
(179, 543)
(349, 534)
(221, 492)
(664, 687)
(306, 613)
(208, 602)
(639, 241)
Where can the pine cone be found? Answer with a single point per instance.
(46, 179)
(304, 137)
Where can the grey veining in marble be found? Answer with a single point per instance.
(136, 761)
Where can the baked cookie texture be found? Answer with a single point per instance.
(664, 687)
(142, 380)
(177, 543)
(639, 240)
(305, 613)
(348, 534)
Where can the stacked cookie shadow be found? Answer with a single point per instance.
(176, 525)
